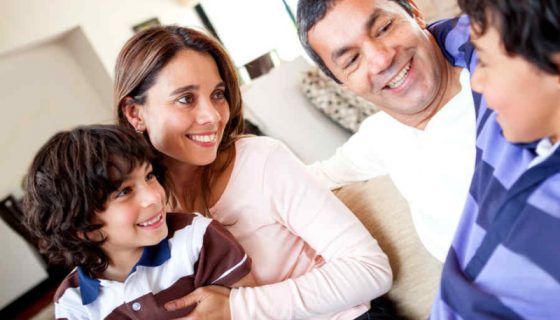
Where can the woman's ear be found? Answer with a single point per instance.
(134, 113)
(417, 15)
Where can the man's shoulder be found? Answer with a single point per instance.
(452, 36)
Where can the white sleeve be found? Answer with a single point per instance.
(358, 159)
(355, 270)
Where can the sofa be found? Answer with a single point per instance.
(276, 104)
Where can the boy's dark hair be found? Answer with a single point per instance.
(310, 12)
(70, 179)
(529, 28)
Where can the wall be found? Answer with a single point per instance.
(42, 90)
(105, 24)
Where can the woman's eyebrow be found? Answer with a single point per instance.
(185, 88)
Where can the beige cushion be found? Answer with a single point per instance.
(336, 102)
(384, 212)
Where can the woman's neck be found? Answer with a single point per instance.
(187, 180)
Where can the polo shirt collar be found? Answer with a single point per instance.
(152, 256)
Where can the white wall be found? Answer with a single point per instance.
(251, 28)
(42, 90)
(106, 23)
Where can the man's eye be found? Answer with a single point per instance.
(187, 99)
(352, 60)
(124, 192)
(385, 28)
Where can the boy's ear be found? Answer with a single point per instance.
(134, 113)
(96, 235)
(417, 14)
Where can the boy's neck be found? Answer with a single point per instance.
(120, 264)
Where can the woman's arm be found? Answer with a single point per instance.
(355, 269)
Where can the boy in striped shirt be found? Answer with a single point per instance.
(504, 262)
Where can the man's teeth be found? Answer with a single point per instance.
(152, 221)
(399, 78)
(203, 138)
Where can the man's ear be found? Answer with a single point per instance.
(417, 15)
(134, 113)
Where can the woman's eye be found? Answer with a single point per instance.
(150, 176)
(187, 99)
(219, 95)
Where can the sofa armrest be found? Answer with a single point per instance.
(385, 213)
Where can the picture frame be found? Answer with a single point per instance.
(146, 24)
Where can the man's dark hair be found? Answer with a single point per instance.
(529, 28)
(310, 12)
(70, 179)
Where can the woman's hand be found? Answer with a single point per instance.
(212, 302)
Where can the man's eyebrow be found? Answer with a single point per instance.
(183, 89)
(372, 19)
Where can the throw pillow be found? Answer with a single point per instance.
(339, 104)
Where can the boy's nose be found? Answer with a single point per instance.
(477, 80)
(151, 195)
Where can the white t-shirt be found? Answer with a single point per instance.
(432, 168)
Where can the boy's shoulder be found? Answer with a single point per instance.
(70, 285)
(177, 220)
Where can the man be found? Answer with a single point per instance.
(424, 138)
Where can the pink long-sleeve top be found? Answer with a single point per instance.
(312, 258)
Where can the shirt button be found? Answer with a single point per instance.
(136, 306)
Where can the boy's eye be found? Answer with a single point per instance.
(124, 192)
(186, 99)
(480, 63)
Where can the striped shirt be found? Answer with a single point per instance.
(197, 252)
(504, 262)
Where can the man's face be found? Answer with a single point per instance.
(526, 99)
(380, 52)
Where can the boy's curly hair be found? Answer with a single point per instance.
(70, 179)
(529, 28)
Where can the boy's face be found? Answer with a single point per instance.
(134, 216)
(526, 99)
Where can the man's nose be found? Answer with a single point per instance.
(379, 57)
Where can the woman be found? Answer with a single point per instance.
(311, 256)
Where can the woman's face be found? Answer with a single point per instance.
(186, 110)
